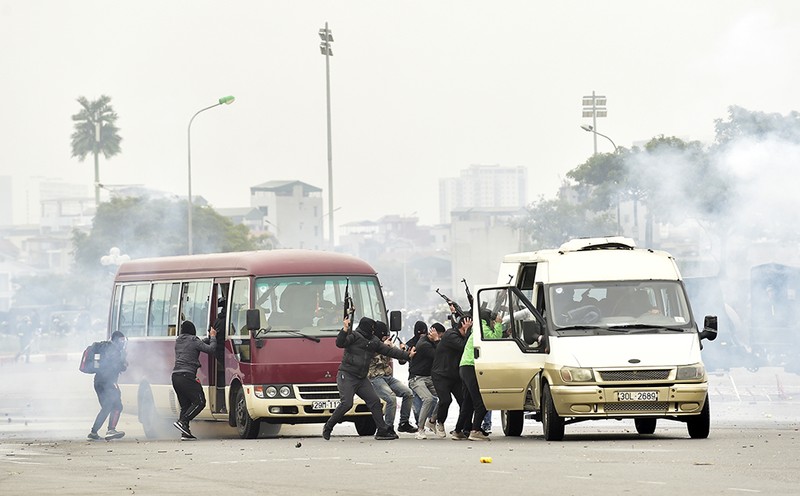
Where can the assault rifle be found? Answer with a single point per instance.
(458, 311)
(469, 293)
(349, 307)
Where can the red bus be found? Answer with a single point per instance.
(280, 371)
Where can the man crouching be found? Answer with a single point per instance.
(359, 348)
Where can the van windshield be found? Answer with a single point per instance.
(632, 305)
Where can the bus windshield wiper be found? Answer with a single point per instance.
(302, 335)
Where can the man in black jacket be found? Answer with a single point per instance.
(420, 381)
(112, 363)
(184, 375)
(359, 348)
(445, 375)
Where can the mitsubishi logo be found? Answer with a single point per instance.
(327, 375)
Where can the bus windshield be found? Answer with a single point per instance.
(314, 304)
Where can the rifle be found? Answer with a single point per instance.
(469, 293)
(349, 307)
(458, 311)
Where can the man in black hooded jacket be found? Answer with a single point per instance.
(359, 348)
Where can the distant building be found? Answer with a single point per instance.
(293, 212)
(483, 186)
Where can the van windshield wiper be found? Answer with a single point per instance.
(580, 328)
(647, 327)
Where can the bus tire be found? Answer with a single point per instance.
(247, 426)
(699, 426)
(552, 423)
(365, 425)
(148, 416)
(512, 421)
(645, 425)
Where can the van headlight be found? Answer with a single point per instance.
(576, 374)
(689, 372)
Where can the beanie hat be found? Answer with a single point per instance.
(187, 327)
(367, 326)
(117, 334)
(420, 328)
(380, 329)
(438, 327)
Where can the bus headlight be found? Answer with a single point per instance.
(285, 391)
(689, 372)
(576, 374)
(271, 392)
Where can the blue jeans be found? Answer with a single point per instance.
(388, 389)
(422, 386)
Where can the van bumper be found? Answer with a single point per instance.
(624, 402)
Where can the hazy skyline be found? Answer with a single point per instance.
(419, 90)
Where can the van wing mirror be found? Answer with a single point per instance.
(709, 328)
(253, 319)
(395, 321)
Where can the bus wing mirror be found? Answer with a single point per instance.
(395, 321)
(253, 319)
(709, 328)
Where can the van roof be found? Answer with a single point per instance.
(601, 259)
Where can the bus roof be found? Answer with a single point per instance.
(258, 263)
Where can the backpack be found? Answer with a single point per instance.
(92, 358)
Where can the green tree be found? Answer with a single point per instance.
(95, 133)
(747, 123)
(141, 227)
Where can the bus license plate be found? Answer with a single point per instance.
(637, 395)
(325, 404)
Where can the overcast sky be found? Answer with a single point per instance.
(420, 89)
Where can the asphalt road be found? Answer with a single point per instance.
(46, 409)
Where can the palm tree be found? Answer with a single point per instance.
(95, 133)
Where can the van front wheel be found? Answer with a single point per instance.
(512, 421)
(552, 423)
(699, 426)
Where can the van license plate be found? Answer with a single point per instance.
(325, 404)
(637, 395)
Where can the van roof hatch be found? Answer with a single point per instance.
(607, 243)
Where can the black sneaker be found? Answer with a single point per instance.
(93, 436)
(385, 435)
(189, 437)
(407, 427)
(326, 432)
(183, 427)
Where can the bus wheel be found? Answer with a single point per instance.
(645, 425)
(512, 421)
(552, 423)
(148, 416)
(365, 425)
(248, 427)
(700, 425)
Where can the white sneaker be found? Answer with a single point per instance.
(478, 436)
(420, 435)
(431, 425)
(440, 430)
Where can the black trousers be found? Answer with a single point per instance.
(472, 409)
(110, 399)
(349, 386)
(447, 389)
(190, 395)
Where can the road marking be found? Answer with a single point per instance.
(652, 482)
(743, 490)
(578, 477)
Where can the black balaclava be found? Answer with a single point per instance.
(366, 326)
(380, 329)
(187, 327)
(420, 328)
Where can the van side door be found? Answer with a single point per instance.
(510, 346)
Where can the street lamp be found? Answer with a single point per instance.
(594, 106)
(591, 129)
(325, 49)
(225, 100)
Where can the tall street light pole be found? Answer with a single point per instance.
(594, 106)
(325, 48)
(225, 100)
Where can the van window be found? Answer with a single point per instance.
(609, 304)
(516, 320)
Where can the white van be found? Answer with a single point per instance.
(597, 329)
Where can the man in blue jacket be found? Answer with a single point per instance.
(359, 348)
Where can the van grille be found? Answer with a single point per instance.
(636, 406)
(634, 375)
(318, 392)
